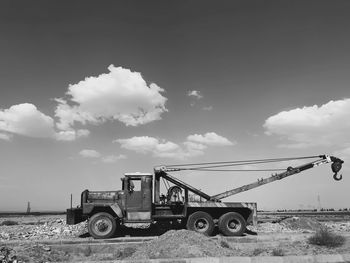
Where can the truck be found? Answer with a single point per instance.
(140, 200)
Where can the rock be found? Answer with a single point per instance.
(46, 248)
(57, 230)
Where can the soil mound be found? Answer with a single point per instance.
(301, 223)
(182, 244)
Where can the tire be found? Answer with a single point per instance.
(200, 222)
(232, 224)
(102, 225)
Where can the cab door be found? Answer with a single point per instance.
(139, 199)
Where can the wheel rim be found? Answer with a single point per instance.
(201, 225)
(234, 225)
(102, 226)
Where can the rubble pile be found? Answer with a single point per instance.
(51, 229)
(338, 226)
(30, 253)
(182, 244)
(301, 223)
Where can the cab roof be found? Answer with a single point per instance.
(138, 174)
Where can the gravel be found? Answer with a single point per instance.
(182, 244)
(53, 228)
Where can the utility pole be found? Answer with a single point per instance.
(319, 203)
(28, 208)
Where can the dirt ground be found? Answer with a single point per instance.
(21, 239)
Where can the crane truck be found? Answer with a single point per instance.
(140, 200)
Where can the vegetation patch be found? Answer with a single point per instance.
(323, 237)
(277, 252)
(257, 252)
(9, 223)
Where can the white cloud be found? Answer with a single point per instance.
(146, 144)
(93, 154)
(120, 95)
(195, 93)
(210, 138)
(5, 136)
(71, 135)
(88, 153)
(325, 125)
(194, 146)
(25, 119)
(113, 158)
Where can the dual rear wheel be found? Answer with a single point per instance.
(229, 224)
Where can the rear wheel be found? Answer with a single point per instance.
(232, 224)
(102, 225)
(201, 222)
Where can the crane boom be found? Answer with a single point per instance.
(278, 176)
(336, 166)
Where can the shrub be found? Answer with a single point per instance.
(323, 237)
(224, 244)
(9, 223)
(125, 253)
(257, 251)
(277, 252)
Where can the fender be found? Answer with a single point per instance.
(116, 208)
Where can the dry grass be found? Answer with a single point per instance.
(323, 237)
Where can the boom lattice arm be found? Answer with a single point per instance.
(336, 166)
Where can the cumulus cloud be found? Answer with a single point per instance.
(113, 158)
(71, 135)
(195, 93)
(195, 145)
(93, 154)
(88, 153)
(325, 125)
(146, 144)
(120, 95)
(210, 138)
(25, 119)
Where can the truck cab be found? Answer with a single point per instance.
(137, 189)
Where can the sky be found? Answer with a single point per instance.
(91, 90)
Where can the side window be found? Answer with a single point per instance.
(134, 185)
(137, 185)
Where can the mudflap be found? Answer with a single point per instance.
(74, 216)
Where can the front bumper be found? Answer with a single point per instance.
(74, 216)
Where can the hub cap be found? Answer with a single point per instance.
(234, 225)
(201, 225)
(103, 226)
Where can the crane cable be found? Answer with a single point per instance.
(208, 166)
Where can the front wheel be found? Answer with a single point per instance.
(102, 225)
(201, 222)
(232, 224)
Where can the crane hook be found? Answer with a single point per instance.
(336, 166)
(337, 177)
